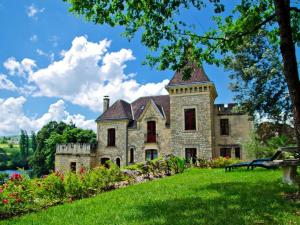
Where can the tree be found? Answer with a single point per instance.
(24, 147)
(22, 144)
(178, 41)
(49, 136)
(33, 141)
(26, 144)
(265, 94)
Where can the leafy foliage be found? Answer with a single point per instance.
(49, 136)
(258, 80)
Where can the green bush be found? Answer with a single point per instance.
(219, 162)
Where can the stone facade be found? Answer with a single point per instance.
(137, 139)
(82, 155)
(240, 128)
(201, 98)
(162, 118)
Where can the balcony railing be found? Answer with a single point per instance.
(151, 138)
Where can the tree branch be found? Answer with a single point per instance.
(234, 36)
(295, 9)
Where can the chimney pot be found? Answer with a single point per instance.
(105, 103)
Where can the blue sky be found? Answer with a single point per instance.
(51, 61)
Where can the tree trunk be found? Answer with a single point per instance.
(290, 68)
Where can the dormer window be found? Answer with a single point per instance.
(190, 119)
(111, 137)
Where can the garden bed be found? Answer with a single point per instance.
(198, 196)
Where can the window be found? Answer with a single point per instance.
(225, 152)
(151, 132)
(131, 155)
(73, 167)
(111, 137)
(224, 126)
(118, 162)
(237, 152)
(191, 154)
(105, 162)
(151, 154)
(190, 119)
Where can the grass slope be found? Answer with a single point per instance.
(199, 196)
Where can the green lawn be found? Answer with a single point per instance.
(198, 196)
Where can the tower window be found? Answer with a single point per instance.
(190, 119)
(224, 126)
(111, 137)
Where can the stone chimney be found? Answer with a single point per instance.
(105, 103)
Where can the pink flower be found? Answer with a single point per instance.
(1, 190)
(5, 201)
(16, 176)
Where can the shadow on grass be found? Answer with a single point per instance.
(224, 203)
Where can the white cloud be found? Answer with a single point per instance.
(54, 40)
(19, 68)
(12, 117)
(6, 84)
(50, 55)
(33, 38)
(32, 11)
(87, 72)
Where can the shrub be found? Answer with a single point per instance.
(219, 162)
(3, 177)
(20, 194)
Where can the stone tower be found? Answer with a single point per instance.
(191, 114)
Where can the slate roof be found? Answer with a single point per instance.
(198, 76)
(119, 110)
(123, 110)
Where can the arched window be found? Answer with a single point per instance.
(150, 154)
(131, 155)
(118, 162)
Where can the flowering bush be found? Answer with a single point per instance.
(21, 194)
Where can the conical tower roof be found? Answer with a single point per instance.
(198, 76)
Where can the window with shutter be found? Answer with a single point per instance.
(190, 119)
(111, 137)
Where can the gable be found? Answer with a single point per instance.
(152, 111)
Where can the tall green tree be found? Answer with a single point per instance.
(177, 40)
(23, 144)
(266, 93)
(33, 141)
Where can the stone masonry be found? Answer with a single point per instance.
(154, 126)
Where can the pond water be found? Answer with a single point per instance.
(10, 172)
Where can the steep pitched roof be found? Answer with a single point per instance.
(198, 76)
(119, 110)
(162, 102)
(123, 110)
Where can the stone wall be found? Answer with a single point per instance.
(137, 136)
(240, 129)
(112, 152)
(200, 97)
(83, 155)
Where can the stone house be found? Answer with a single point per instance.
(185, 123)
